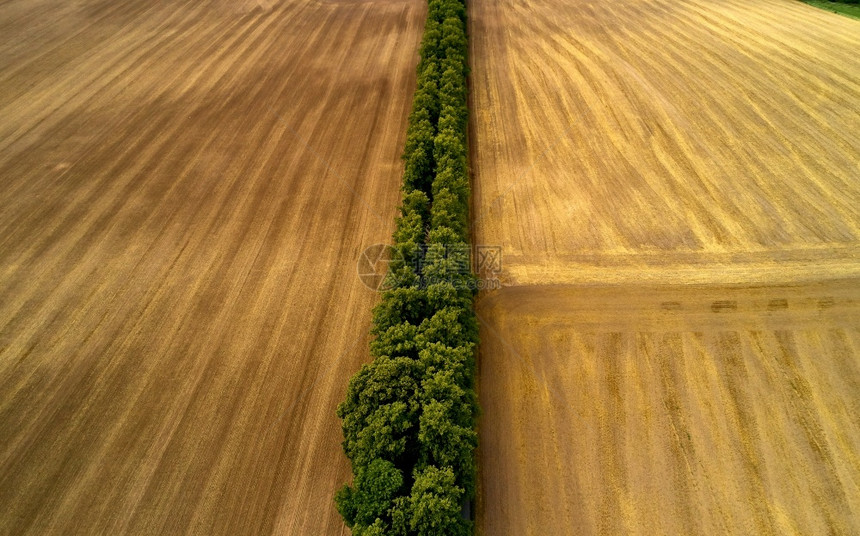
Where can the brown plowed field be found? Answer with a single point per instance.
(185, 188)
(675, 186)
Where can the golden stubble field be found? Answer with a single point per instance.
(184, 190)
(675, 185)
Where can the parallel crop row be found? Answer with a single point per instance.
(409, 416)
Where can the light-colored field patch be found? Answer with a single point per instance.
(185, 189)
(671, 410)
(652, 127)
(675, 189)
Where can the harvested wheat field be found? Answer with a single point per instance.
(186, 187)
(675, 185)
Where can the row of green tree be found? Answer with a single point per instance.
(409, 415)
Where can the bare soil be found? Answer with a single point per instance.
(185, 188)
(676, 349)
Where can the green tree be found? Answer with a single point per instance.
(448, 211)
(446, 430)
(408, 417)
(380, 413)
(399, 340)
(447, 326)
(399, 306)
(435, 504)
(367, 505)
(449, 150)
(419, 156)
(459, 361)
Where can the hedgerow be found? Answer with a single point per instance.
(409, 415)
